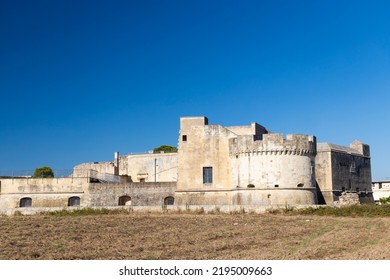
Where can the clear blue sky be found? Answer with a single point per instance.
(80, 80)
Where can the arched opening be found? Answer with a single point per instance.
(124, 200)
(169, 200)
(25, 202)
(74, 201)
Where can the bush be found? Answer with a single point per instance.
(165, 149)
(43, 172)
(384, 200)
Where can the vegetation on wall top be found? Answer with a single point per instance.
(43, 172)
(165, 149)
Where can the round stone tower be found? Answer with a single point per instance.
(274, 170)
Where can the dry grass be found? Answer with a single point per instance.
(194, 236)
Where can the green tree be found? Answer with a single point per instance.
(43, 172)
(165, 149)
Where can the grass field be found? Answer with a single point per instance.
(168, 236)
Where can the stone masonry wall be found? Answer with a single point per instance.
(141, 194)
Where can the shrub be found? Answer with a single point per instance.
(43, 172)
(165, 149)
(384, 200)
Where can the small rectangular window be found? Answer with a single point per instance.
(184, 138)
(207, 175)
(276, 186)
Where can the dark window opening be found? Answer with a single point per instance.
(251, 186)
(300, 185)
(276, 186)
(207, 175)
(184, 138)
(124, 200)
(25, 202)
(142, 180)
(169, 200)
(74, 201)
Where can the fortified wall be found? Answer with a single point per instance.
(342, 169)
(42, 192)
(132, 194)
(274, 161)
(243, 166)
(83, 192)
(215, 166)
(148, 167)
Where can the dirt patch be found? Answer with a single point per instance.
(182, 236)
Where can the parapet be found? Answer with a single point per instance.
(275, 144)
(360, 147)
(356, 148)
(187, 122)
(254, 129)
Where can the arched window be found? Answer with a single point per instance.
(124, 200)
(25, 202)
(74, 201)
(169, 200)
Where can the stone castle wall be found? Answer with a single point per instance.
(215, 165)
(150, 167)
(44, 192)
(274, 161)
(253, 161)
(141, 194)
(341, 169)
(55, 192)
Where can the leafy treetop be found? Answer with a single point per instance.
(165, 149)
(43, 172)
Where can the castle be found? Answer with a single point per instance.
(215, 166)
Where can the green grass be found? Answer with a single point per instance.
(86, 212)
(364, 210)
